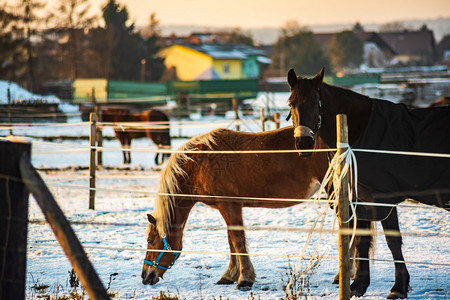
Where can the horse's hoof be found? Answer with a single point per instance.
(356, 293)
(336, 279)
(244, 286)
(397, 295)
(358, 288)
(224, 281)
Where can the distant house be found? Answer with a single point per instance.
(443, 50)
(412, 47)
(214, 61)
(377, 53)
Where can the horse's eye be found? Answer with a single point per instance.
(150, 242)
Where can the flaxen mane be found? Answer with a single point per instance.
(168, 184)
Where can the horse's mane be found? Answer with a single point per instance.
(343, 92)
(169, 184)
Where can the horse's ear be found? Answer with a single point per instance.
(318, 79)
(292, 78)
(151, 219)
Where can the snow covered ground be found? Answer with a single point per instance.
(19, 93)
(116, 241)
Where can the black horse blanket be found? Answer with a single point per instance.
(396, 177)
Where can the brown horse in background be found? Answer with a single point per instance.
(159, 136)
(227, 182)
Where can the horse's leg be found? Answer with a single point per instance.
(126, 154)
(127, 151)
(363, 244)
(394, 241)
(231, 275)
(123, 144)
(232, 214)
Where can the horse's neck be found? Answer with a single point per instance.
(336, 101)
(179, 218)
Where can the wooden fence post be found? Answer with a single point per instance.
(99, 134)
(236, 114)
(99, 137)
(92, 165)
(13, 221)
(63, 232)
(9, 111)
(343, 212)
(262, 119)
(276, 119)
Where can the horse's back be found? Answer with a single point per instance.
(240, 174)
(154, 115)
(397, 128)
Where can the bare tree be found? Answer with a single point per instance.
(392, 26)
(72, 23)
(31, 21)
(11, 38)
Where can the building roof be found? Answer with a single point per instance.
(443, 47)
(230, 51)
(410, 42)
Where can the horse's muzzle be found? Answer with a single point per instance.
(304, 143)
(149, 276)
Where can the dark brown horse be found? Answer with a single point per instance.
(226, 180)
(125, 133)
(382, 178)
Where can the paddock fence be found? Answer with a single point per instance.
(62, 148)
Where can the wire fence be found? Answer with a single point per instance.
(189, 125)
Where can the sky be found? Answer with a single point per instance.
(275, 13)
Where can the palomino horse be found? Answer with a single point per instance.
(159, 136)
(223, 177)
(388, 179)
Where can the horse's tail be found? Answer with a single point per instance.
(175, 172)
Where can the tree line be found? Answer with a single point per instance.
(297, 48)
(39, 44)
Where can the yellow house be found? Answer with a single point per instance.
(203, 62)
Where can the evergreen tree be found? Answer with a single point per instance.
(345, 50)
(298, 49)
(127, 52)
(153, 65)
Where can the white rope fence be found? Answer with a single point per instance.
(313, 259)
(309, 257)
(318, 222)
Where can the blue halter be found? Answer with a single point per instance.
(155, 263)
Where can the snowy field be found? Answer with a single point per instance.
(114, 234)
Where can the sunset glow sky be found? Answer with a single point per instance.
(275, 13)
